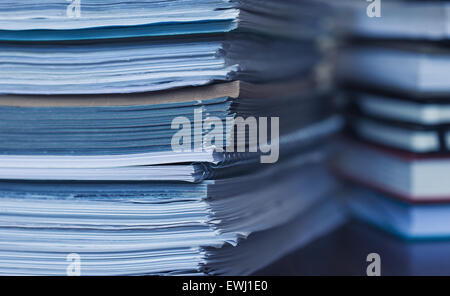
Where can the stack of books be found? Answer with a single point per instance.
(396, 69)
(162, 137)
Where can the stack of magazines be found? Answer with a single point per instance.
(162, 137)
(396, 69)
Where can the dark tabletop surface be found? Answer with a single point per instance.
(345, 250)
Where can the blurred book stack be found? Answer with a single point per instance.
(129, 140)
(396, 70)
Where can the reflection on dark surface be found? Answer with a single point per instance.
(344, 252)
